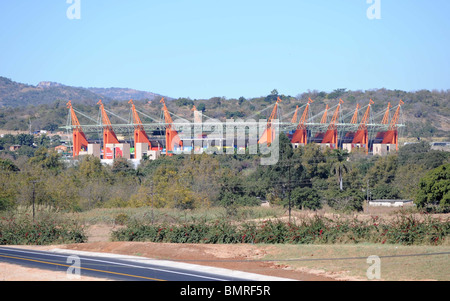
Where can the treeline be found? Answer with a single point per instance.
(307, 177)
(28, 144)
(425, 113)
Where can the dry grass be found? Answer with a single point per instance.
(350, 261)
(307, 257)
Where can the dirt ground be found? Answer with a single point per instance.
(236, 257)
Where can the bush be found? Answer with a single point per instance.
(22, 230)
(434, 188)
(405, 230)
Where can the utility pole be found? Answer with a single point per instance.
(33, 196)
(289, 191)
(367, 195)
(152, 202)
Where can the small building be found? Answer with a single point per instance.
(118, 150)
(61, 149)
(153, 154)
(390, 203)
(442, 146)
(329, 145)
(383, 149)
(349, 147)
(297, 145)
(14, 147)
(94, 150)
(140, 150)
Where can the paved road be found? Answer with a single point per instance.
(119, 267)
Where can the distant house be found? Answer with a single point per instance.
(15, 147)
(442, 146)
(390, 203)
(61, 149)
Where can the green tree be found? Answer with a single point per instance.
(171, 189)
(122, 168)
(24, 139)
(383, 170)
(306, 198)
(385, 191)
(314, 161)
(201, 107)
(345, 200)
(340, 166)
(8, 165)
(43, 141)
(47, 159)
(421, 153)
(91, 167)
(434, 188)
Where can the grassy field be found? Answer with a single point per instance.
(347, 261)
(147, 214)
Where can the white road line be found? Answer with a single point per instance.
(166, 263)
(119, 263)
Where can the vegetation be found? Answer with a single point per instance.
(406, 230)
(434, 188)
(425, 113)
(307, 177)
(20, 228)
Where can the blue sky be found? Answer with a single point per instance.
(201, 49)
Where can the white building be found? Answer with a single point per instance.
(390, 203)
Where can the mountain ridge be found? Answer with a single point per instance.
(14, 94)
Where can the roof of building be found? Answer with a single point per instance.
(391, 201)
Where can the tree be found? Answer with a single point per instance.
(8, 165)
(340, 166)
(8, 183)
(47, 159)
(91, 167)
(122, 168)
(434, 188)
(43, 141)
(275, 177)
(383, 170)
(25, 139)
(314, 161)
(385, 191)
(336, 93)
(201, 107)
(272, 97)
(171, 191)
(421, 153)
(345, 200)
(306, 198)
(202, 174)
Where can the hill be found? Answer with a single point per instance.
(425, 113)
(125, 93)
(14, 94)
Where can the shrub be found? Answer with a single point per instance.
(22, 230)
(406, 230)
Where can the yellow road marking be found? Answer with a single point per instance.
(95, 270)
